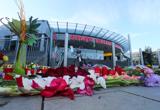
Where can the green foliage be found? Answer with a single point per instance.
(19, 70)
(15, 27)
(148, 56)
(157, 71)
(31, 39)
(31, 29)
(121, 82)
(1, 69)
(8, 83)
(32, 25)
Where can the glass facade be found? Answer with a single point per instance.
(91, 31)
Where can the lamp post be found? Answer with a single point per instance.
(113, 54)
(130, 50)
(66, 49)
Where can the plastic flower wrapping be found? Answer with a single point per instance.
(151, 78)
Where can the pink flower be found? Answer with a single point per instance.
(127, 77)
(148, 71)
(88, 90)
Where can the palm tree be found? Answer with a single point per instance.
(26, 32)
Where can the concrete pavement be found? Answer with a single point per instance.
(120, 98)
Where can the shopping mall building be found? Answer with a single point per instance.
(97, 45)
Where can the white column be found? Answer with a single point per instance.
(66, 49)
(51, 46)
(130, 50)
(121, 57)
(158, 55)
(42, 43)
(113, 54)
(141, 56)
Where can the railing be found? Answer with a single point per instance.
(57, 57)
(38, 53)
(8, 46)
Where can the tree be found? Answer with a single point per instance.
(148, 56)
(25, 38)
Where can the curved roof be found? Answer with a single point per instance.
(88, 30)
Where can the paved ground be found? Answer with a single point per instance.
(124, 98)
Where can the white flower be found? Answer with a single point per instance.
(93, 75)
(48, 80)
(91, 71)
(41, 82)
(98, 79)
(101, 81)
(27, 83)
(29, 72)
(67, 79)
(77, 82)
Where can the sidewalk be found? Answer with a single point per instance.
(119, 98)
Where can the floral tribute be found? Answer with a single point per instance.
(63, 81)
(67, 81)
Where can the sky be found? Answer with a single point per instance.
(138, 18)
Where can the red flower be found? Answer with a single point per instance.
(81, 72)
(33, 71)
(112, 72)
(89, 84)
(97, 69)
(19, 81)
(8, 76)
(52, 72)
(71, 71)
(48, 92)
(105, 71)
(62, 71)
(119, 70)
(44, 71)
(35, 85)
(142, 70)
(8, 70)
(1, 56)
(58, 87)
(87, 91)
(59, 84)
(28, 71)
(68, 92)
